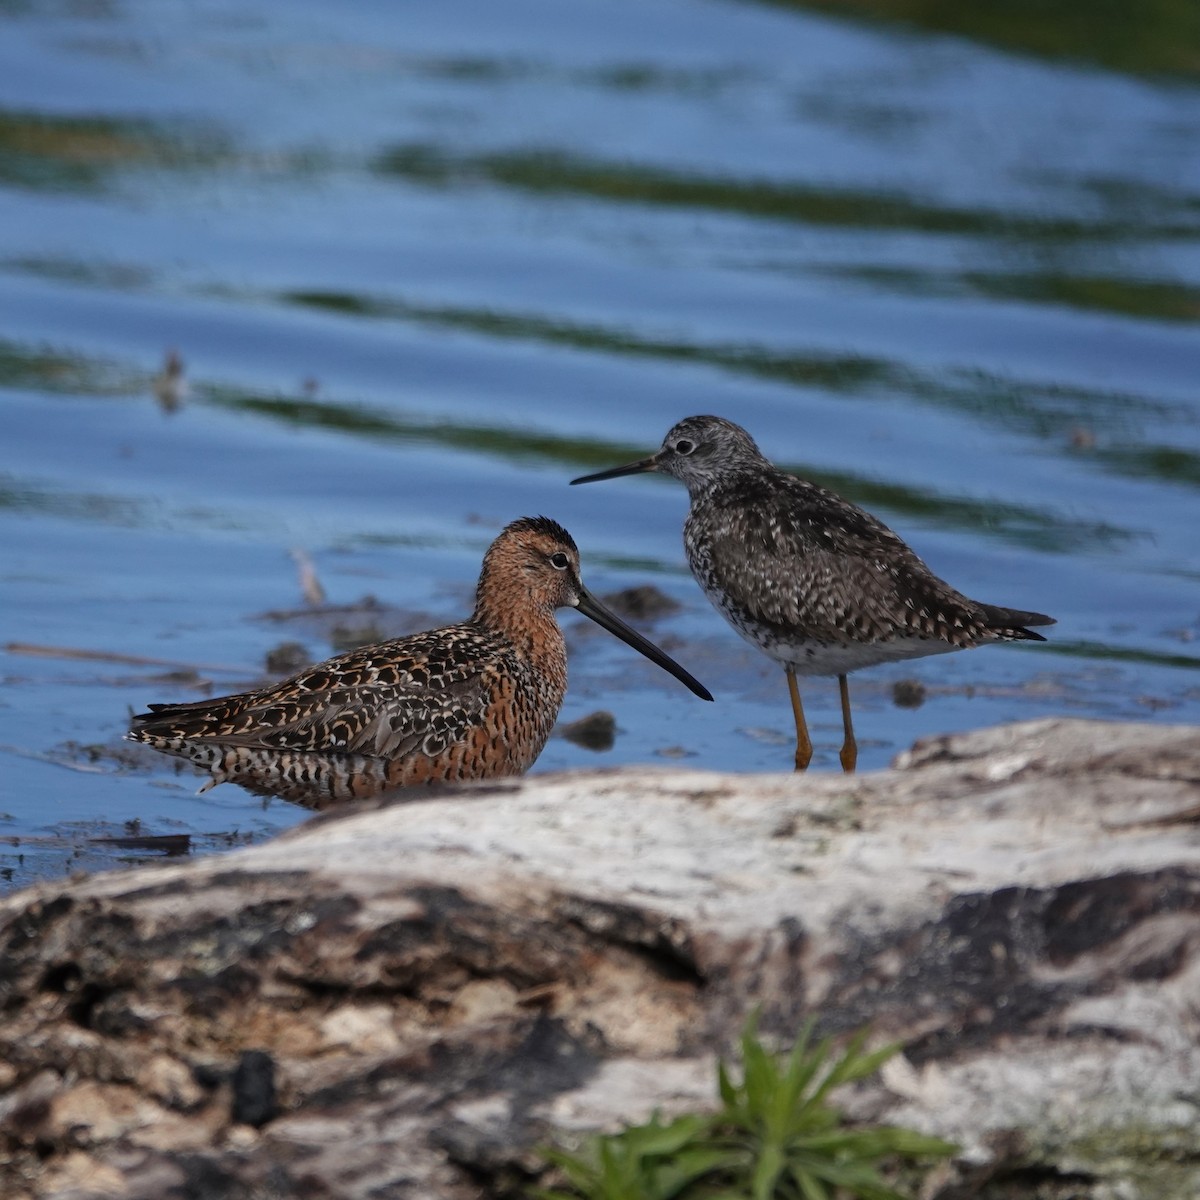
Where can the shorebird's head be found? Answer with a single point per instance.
(534, 562)
(534, 566)
(698, 451)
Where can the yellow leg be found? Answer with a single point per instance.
(803, 741)
(849, 751)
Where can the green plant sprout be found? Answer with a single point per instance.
(775, 1136)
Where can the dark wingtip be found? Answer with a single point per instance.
(154, 712)
(1031, 618)
(157, 717)
(1012, 621)
(1037, 619)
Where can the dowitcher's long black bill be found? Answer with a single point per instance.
(591, 607)
(635, 468)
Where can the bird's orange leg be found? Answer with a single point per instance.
(849, 751)
(803, 741)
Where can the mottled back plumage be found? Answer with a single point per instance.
(814, 581)
(474, 700)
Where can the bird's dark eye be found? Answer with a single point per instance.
(683, 446)
(560, 561)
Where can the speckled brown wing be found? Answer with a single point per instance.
(420, 693)
(795, 559)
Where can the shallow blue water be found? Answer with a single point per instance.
(425, 263)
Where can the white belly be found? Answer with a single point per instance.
(818, 658)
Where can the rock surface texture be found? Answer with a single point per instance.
(401, 1000)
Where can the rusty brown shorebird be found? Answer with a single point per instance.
(813, 581)
(475, 700)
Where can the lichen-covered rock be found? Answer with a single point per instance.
(404, 998)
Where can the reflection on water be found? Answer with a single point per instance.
(559, 173)
(84, 154)
(419, 268)
(1153, 299)
(1129, 35)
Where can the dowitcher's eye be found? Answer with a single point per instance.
(683, 446)
(559, 561)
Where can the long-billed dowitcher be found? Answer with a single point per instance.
(470, 701)
(816, 583)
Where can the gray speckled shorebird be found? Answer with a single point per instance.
(470, 701)
(816, 583)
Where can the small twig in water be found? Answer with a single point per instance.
(310, 585)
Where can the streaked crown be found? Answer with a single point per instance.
(700, 451)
